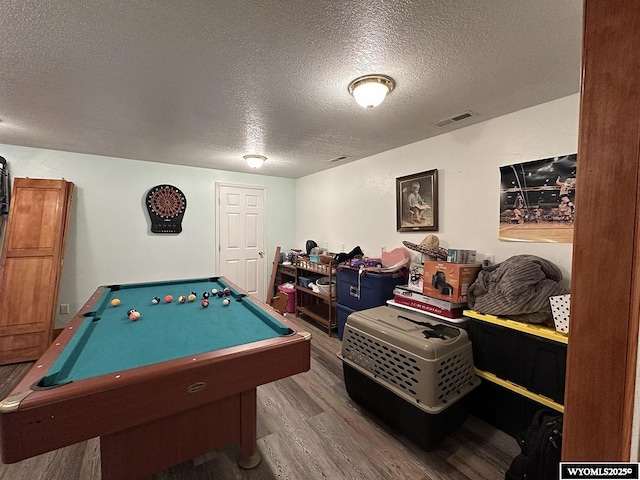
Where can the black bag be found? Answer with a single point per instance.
(540, 445)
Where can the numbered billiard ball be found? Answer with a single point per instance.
(205, 295)
(226, 301)
(168, 298)
(214, 291)
(227, 291)
(115, 302)
(155, 300)
(130, 311)
(182, 299)
(191, 297)
(204, 303)
(220, 294)
(134, 316)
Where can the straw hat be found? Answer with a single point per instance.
(430, 246)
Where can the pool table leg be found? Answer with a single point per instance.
(249, 455)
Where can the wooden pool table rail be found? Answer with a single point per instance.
(200, 402)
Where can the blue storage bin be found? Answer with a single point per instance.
(306, 280)
(368, 290)
(342, 313)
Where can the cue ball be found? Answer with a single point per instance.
(155, 300)
(182, 299)
(134, 316)
(205, 295)
(226, 301)
(204, 303)
(168, 299)
(191, 297)
(214, 290)
(115, 302)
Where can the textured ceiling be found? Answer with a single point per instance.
(203, 82)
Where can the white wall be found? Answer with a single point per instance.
(355, 204)
(109, 239)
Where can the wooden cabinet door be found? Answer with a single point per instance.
(31, 266)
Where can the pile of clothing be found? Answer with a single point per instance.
(518, 288)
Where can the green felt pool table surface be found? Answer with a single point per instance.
(108, 341)
(178, 382)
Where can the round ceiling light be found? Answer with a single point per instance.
(255, 161)
(370, 90)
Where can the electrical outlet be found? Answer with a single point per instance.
(490, 257)
(64, 309)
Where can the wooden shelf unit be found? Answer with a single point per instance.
(317, 306)
(284, 274)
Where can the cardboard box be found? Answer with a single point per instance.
(456, 255)
(449, 281)
(429, 308)
(403, 291)
(404, 296)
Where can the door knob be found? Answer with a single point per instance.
(261, 254)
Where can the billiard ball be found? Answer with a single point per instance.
(205, 295)
(226, 301)
(191, 297)
(220, 294)
(155, 300)
(204, 303)
(214, 291)
(115, 302)
(134, 316)
(168, 299)
(182, 299)
(194, 293)
(130, 311)
(227, 291)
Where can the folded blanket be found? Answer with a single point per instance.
(518, 288)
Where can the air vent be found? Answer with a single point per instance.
(338, 159)
(456, 118)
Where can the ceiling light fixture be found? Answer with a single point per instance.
(255, 161)
(370, 90)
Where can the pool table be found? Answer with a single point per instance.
(176, 383)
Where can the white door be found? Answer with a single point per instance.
(240, 233)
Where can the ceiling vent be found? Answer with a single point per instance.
(338, 159)
(456, 118)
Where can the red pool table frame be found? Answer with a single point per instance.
(152, 417)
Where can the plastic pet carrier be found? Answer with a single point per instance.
(412, 372)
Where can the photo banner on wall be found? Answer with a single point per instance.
(537, 200)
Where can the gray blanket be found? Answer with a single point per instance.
(518, 288)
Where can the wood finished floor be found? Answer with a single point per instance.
(308, 429)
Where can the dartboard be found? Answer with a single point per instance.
(166, 205)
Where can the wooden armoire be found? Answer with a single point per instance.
(31, 266)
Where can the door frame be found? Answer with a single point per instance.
(602, 354)
(265, 229)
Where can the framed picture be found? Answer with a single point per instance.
(417, 202)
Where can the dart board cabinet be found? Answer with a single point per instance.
(166, 205)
